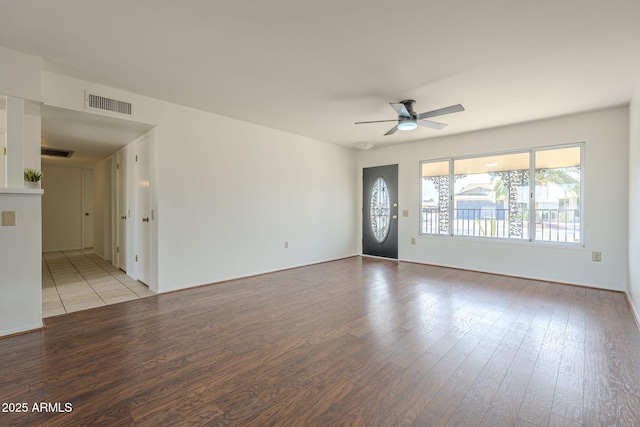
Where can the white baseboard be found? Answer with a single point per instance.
(634, 310)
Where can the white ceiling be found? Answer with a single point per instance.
(314, 68)
(91, 137)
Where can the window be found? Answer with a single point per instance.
(557, 194)
(435, 197)
(527, 195)
(491, 196)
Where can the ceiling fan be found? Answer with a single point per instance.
(409, 120)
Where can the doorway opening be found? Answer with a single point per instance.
(81, 193)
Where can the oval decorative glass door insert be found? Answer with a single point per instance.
(380, 209)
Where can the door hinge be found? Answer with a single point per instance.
(136, 157)
(117, 249)
(117, 165)
(5, 150)
(136, 258)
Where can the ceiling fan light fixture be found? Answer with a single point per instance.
(407, 125)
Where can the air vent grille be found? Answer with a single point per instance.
(109, 104)
(54, 152)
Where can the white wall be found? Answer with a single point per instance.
(61, 208)
(20, 245)
(20, 263)
(633, 286)
(32, 134)
(230, 193)
(102, 208)
(245, 191)
(20, 78)
(605, 134)
(20, 74)
(20, 124)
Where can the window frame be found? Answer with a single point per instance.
(532, 195)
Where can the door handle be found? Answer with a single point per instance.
(145, 219)
(395, 217)
(123, 217)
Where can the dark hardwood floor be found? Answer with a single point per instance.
(359, 342)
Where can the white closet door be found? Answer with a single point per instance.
(87, 209)
(143, 212)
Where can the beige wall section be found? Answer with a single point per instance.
(606, 137)
(633, 285)
(61, 209)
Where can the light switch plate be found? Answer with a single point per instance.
(405, 213)
(8, 218)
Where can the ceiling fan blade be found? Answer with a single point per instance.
(442, 111)
(392, 130)
(401, 109)
(376, 121)
(430, 124)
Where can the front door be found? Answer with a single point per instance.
(380, 211)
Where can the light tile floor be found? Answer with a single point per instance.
(79, 280)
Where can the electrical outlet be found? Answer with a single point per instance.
(405, 213)
(596, 256)
(413, 240)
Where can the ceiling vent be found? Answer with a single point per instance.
(102, 103)
(54, 152)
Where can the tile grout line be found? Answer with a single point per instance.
(115, 278)
(109, 273)
(83, 264)
(83, 277)
(106, 272)
(55, 285)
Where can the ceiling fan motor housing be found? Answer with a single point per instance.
(408, 104)
(407, 122)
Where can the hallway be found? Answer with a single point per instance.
(79, 280)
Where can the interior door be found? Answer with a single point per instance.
(108, 211)
(122, 208)
(143, 212)
(87, 209)
(380, 211)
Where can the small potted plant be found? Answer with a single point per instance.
(32, 178)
